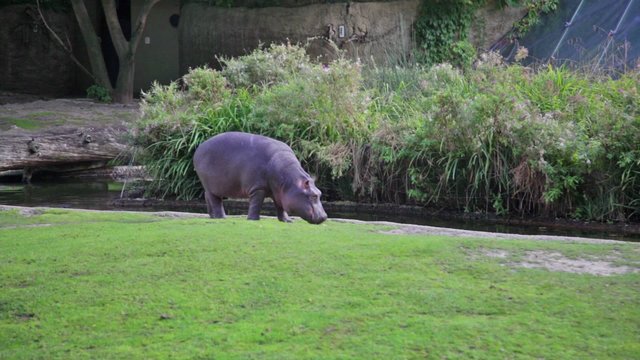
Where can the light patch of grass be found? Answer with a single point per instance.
(32, 121)
(123, 285)
(43, 114)
(115, 186)
(27, 124)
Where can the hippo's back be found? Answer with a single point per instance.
(232, 163)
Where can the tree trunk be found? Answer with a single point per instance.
(96, 58)
(123, 92)
(126, 50)
(65, 145)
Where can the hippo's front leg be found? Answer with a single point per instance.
(282, 215)
(256, 199)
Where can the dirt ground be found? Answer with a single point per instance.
(20, 112)
(605, 265)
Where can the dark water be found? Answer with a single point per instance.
(84, 195)
(100, 195)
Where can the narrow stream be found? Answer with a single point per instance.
(101, 194)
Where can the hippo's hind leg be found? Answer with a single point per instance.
(256, 198)
(214, 206)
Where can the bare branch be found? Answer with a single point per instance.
(67, 47)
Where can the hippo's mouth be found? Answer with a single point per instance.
(317, 218)
(311, 214)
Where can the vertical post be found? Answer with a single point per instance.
(614, 32)
(566, 30)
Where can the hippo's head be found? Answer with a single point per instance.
(302, 198)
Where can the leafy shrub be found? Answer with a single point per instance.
(99, 93)
(266, 66)
(320, 111)
(498, 138)
(206, 86)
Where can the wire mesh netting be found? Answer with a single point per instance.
(584, 32)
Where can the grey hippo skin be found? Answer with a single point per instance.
(241, 165)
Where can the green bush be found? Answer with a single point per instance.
(266, 66)
(496, 138)
(99, 93)
(518, 141)
(321, 111)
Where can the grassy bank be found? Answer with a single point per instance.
(123, 285)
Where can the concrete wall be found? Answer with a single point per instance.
(374, 30)
(30, 62)
(157, 55)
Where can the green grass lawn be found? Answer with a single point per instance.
(124, 286)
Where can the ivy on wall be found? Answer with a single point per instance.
(441, 31)
(535, 9)
(442, 27)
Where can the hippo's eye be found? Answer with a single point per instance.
(313, 197)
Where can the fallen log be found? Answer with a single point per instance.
(59, 146)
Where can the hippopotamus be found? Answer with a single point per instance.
(242, 165)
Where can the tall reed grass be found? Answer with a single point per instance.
(493, 138)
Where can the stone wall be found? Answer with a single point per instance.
(30, 61)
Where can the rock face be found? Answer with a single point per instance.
(374, 30)
(31, 62)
